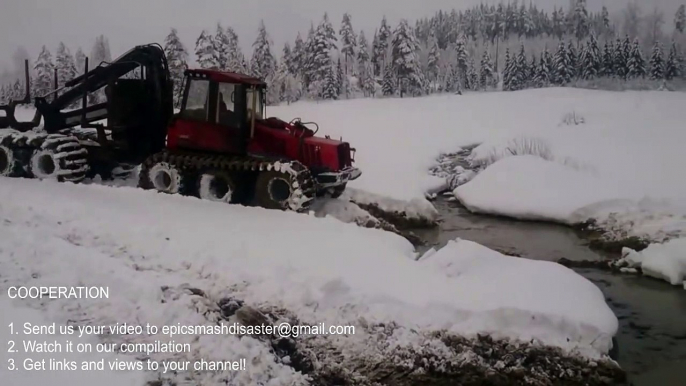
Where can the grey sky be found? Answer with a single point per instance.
(32, 23)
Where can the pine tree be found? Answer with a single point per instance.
(543, 71)
(589, 62)
(204, 51)
(657, 63)
(519, 77)
(636, 62)
(608, 60)
(562, 72)
(330, 84)
(263, 64)
(486, 72)
(405, 57)
(177, 62)
(348, 40)
(221, 51)
(472, 76)
(4, 95)
(236, 59)
(382, 43)
(508, 72)
(680, 19)
(64, 62)
(44, 69)
(341, 80)
(573, 61)
(323, 43)
(433, 58)
(462, 60)
(388, 85)
(580, 20)
(620, 61)
(298, 57)
(363, 56)
(80, 61)
(672, 64)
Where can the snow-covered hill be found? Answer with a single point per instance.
(151, 248)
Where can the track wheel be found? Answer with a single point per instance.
(278, 190)
(10, 165)
(217, 185)
(44, 165)
(166, 178)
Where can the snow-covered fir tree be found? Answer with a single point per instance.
(365, 72)
(4, 94)
(44, 70)
(519, 74)
(680, 19)
(307, 62)
(64, 62)
(657, 62)
(461, 59)
(177, 61)
(636, 63)
(580, 20)
(348, 41)
(544, 70)
(472, 76)
(342, 86)
(382, 43)
(389, 82)
(608, 60)
(324, 43)
(509, 70)
(221, 49)
(80, 61)
(405, 58)
(297, 56)
(486, 78)
(330, 89)
(620, 61)
(672, 70)
(562, 69)
(99, 54)
(204, 51)
(589, 62)
(433, 59)
(262, 64)
(237, 61)
(573, 57)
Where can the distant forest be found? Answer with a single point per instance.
(507, 46)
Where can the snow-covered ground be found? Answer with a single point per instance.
(613, 157)
(148, 248)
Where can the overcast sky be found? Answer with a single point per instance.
(32, 23)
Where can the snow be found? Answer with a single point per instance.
(665, 261)
(148, 248)
(12, 313)
(477, 268)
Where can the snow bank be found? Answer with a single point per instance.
(662, 261)
(532, 188)
(503, 285)
(148, 247)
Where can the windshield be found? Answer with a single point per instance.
(259, 103)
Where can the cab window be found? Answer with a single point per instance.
(196, 106)
(226, 110)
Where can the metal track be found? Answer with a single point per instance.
(303, 183)
(70, 156)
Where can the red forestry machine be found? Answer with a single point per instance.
(219, 146)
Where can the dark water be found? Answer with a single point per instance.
(651, 313)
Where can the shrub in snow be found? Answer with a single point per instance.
(487, 154)
(572, 118)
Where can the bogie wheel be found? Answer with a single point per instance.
(44, 165)
(279, 190)
(337, 191)
(217, 185)
(10, 165)
(166, 178)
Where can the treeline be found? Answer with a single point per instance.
(510, 45)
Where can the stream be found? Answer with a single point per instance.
(651, 340)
